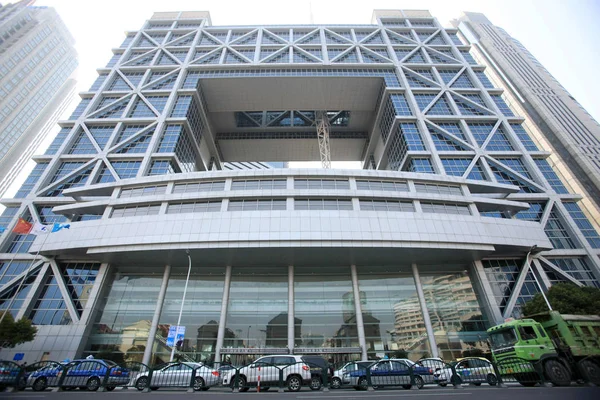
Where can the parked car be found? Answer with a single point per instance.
(179, 375)
(319, 367)
(475, 370)
(84, 374)
(391, 372)
(338, 380)
(295, 373)
(9, 373)
(436, 364)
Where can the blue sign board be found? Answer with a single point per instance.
(176, 335)
(18, 356)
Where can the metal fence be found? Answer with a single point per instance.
(104, 375)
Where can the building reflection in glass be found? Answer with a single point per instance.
(324, 307)
(454, 309)
(391, 312)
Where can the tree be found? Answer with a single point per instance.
(13, 332)
(566, 298)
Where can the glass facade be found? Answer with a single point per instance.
(324, 313)
(391, 312)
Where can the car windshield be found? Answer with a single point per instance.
(503, 338)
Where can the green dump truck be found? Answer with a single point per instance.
(561, 347)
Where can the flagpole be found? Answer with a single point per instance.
(24, 276)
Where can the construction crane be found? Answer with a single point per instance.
(323, 135)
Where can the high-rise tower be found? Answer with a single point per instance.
(567, 128)
(37, 61)
(456, 219)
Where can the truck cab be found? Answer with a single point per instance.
(525, 339)
(563, 346)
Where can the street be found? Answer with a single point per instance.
(515, 393)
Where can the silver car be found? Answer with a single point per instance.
(179, 375)
(338, 380)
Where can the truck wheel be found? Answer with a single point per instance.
(590, 371)
(557, 373)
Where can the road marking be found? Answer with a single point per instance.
(382, 395)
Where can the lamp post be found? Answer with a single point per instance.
(182, 301)
(248, 336)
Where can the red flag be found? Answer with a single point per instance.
(23, 227)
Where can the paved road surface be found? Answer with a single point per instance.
(467, 393)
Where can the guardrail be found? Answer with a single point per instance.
(104, 375)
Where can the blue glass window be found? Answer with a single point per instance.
(586, 228)
(126, 169)
(524, 137)
(422, 165)
(31, 180)
(456, 166)
(558, 234)
(534, 213)
(551, 176)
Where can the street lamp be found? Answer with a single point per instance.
(182, 302)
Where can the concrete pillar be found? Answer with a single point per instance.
(426, 319)
(156, 317)
(360, 325)
(223, 318)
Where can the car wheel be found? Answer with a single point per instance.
(336, 383)
(363, 383)
(294, 383)
(39, 385)
(557, 373)
(198, 383)
(419, 382)
(93, 384)
(492, 380)
(315, 383)
(110, 388)
(590, 371)
(242, 384)
(141, 383)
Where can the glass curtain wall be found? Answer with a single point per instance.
(257, 313)
(454, 309)
(124, 323)
(201, 314)
(392, 316)
(324, 308)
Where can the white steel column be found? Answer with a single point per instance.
(360, 325)
(156, 317)
(426, 319)
(487, 294)
(291, 312)
(223, 318)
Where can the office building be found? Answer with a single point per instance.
(455, 219)
(37, 63)
(554, 116)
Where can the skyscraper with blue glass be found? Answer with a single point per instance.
(36, 82)
(421, 250)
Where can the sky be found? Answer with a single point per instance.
(559, 33)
